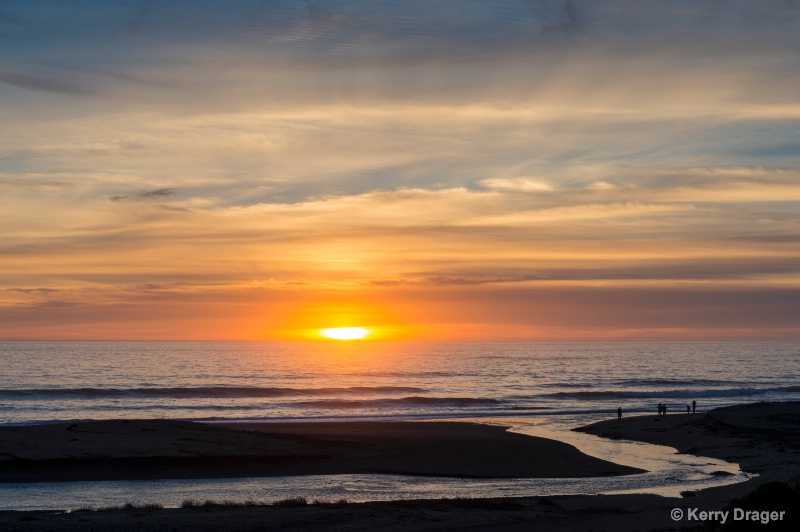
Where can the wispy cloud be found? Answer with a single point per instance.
(158, 193)
(40, 83)
(42, 291)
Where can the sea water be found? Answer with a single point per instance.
(536, 388)
(572, 383)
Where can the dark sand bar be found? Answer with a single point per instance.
(153, 449)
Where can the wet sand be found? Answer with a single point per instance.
(762, 437)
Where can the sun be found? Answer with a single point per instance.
(345, 333)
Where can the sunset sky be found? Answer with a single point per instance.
(429, 169)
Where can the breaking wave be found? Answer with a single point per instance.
(407, 401)
(675, 382)
(726, 392)
(201, 392)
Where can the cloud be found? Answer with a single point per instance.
(40, 83)
(43, 291)
(158, 193)
(519, 184)
(447, 312)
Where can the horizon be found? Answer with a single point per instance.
(370, 342)
(512, 171)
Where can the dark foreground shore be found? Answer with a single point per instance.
(152, 449)
(763, 438)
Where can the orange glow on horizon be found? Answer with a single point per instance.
(356, 317)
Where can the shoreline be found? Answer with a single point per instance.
(761, 437)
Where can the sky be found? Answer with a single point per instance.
(430, 169)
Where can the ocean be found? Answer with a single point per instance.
(537, 388)
(247, 381)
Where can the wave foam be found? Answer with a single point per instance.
(413, 401)
(201, 392)
(720, 392)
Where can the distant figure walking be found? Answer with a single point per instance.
(619, 413)
(694, 406)
(688, 409)
(660, 409)
(664, 408)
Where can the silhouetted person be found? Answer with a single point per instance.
(664, 408)
(619, 413)
(660, 409)
(694, 406)
(688, 409)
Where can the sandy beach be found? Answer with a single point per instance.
(761, 437)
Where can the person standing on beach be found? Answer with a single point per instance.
(694, 406)
(619, 413)
(688, 409)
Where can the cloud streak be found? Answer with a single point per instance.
(156, 194)
(39, 83)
